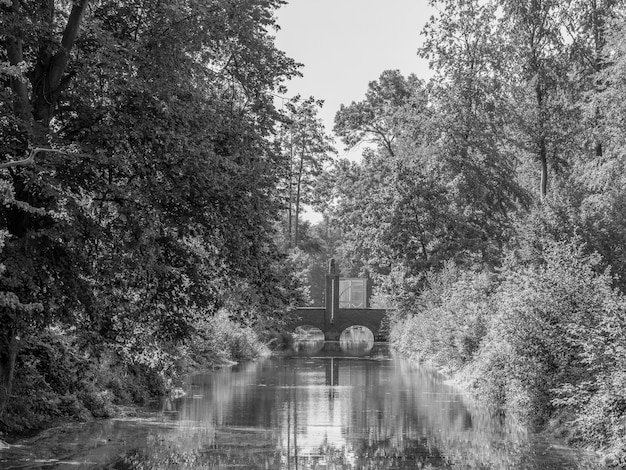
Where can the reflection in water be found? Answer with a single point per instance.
(308, 346)
(308, 333)
(356, 340)
(337, 410)
(333, 409)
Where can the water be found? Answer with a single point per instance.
(321, 407)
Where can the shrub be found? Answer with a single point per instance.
(546, 347)
(448, 322)
(57, 379)
(99, 403)
(548, 335)
(50, 373)
(220, 341)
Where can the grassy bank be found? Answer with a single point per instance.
(61, 378)
(544, 341)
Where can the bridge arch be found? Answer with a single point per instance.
(356, 339)
(341, 319)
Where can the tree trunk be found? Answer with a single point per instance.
(9, 345)
(49, 78)
(299, 184)
(543, 156)
(21, 103)
(599, 41)
(541, 141)
(289, 212)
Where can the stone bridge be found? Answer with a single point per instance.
(371, 318)
(332, 320)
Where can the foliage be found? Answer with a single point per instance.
(538, 309)
(308, 150)
(547, 337)
(380, 117)
(53, 380)
(218, 341)
(157, 205)
(588, 207)
(428, 197)
(447, 323)
(56, 379)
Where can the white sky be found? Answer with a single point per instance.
(345, 44)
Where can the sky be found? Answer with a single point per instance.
(345, 44)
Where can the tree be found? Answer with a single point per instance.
(377, 119)
(469, 114)
(612, 67)
(586, 24)
(309, 149)
(533, 30)
(159, 207)
(441, 184)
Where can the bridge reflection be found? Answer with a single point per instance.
(329, 348)
(336, 372)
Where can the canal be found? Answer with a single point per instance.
(322, 406)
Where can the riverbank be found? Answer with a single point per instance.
(558, 431)
(58, 380)
(542, 340)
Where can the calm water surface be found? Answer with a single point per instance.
(322, 407)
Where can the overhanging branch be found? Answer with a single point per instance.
(30, 159)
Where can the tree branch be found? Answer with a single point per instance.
(60, 59)
(30, 159)
(14, 48)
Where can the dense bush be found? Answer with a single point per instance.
(449, 321)
(57, 379)
(549, 337)
(547, 345)
(50, 381)
(220, 341)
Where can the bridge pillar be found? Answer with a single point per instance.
(332, 295)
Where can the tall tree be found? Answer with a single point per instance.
(159, 206)
(469, 104)
(377, 119)
(538, 62)
(309, 149)
(586, 25)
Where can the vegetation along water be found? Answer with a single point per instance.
(155, 169)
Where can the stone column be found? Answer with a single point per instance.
(332, 294)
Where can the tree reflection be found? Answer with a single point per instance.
(308, 333)
(308, 346)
